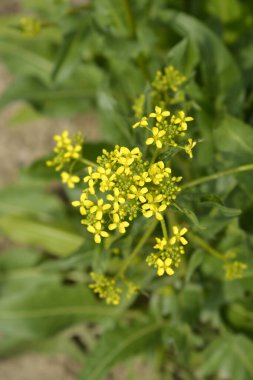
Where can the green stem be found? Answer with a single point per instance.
(130, 19)
(164, 228)
(154, 156)
(212, 177)
(205, 246)
(138, 247)
(88, 162)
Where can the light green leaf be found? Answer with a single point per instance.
(22, 59)
(195, 261)
(119, 344)
(184, 56)
(42, 311)
(30, 197)
(234, 139)
(231, 354)
(225, 83)
(52, 238)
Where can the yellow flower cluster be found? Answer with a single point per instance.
(69, 179)
(67, 153)
(106, 288)
(166, 88)
(30, 27)
(122, 187)
(166, 91)
(123, 184)
(66, 149)
(138, 106)
(234, 270)
(166, 129)
(169, 79)
(169, 252)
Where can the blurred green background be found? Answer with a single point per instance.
(78, 65)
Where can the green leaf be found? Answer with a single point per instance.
(50, 237)
(42, 311)
(190, 215)
(226, 10)
(17, 258)
(184, 56)
(195, 261)
(225, 83)
(230, 353)
(211, 200)
(69, 55)
(24, 60)
(30, 197)
(234, 139)
(239, 318)
(66, 98)
(119, 344)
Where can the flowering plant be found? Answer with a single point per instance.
(138, 246)
(126, 184)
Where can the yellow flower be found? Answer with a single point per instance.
(73, 151)
(164, 267)
(159, 114)
(142, 178)
(117, 199)
(160, 243)
(137, 193)
(139, 105)
(117, 223)
(85, 204)
(69, 179)
(157, 172)
(234, 270)
(97, 231)
(153, 207)
(99, 208)
(156, 139)
(106, 288)
(178, 235)
(126, 157)
(92, 175)
(30, 27)
(83, 198)
(182, 120)
(66, 149)
(188, 148)
(142, 123)
(90, 179)
(62, 140)
(107, 180)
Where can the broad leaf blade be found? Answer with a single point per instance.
(117, 345)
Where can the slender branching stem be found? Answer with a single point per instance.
(138, 247)
(164, 228)
(205, 246)
(213, 177)
(88, 162)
